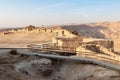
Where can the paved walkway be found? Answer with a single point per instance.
(76, 59)
(105, 64)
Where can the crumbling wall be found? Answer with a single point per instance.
(107, 44)
(63, 33)
(6, 33)
(68, 43)
(30, 27)
(93, 47)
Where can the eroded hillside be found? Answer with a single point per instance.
(110, 30)
(97, 30)
(22, 36)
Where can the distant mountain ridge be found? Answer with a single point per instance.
(97, 30)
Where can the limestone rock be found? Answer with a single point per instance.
(36, 67)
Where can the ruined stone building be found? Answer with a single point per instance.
(30, 28)
(69, 44)
(83, 44)
(59, 32)
(101, 43)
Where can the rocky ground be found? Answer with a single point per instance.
(21, 67)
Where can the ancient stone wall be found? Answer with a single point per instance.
(107, 44)
(63, 33)
(68, 43)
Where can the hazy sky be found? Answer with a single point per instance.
(49, 12)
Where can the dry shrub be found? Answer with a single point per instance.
(13, 52)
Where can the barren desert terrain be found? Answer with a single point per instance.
(23, 67)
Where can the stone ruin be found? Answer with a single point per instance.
(30, 28)
(78, 44)
(68, 44)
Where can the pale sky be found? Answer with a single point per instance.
(19, 13)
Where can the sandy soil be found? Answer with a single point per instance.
(22, 39)
(117, 44)
(62, 71)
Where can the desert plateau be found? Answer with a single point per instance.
(97, 44)
(59, 40)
